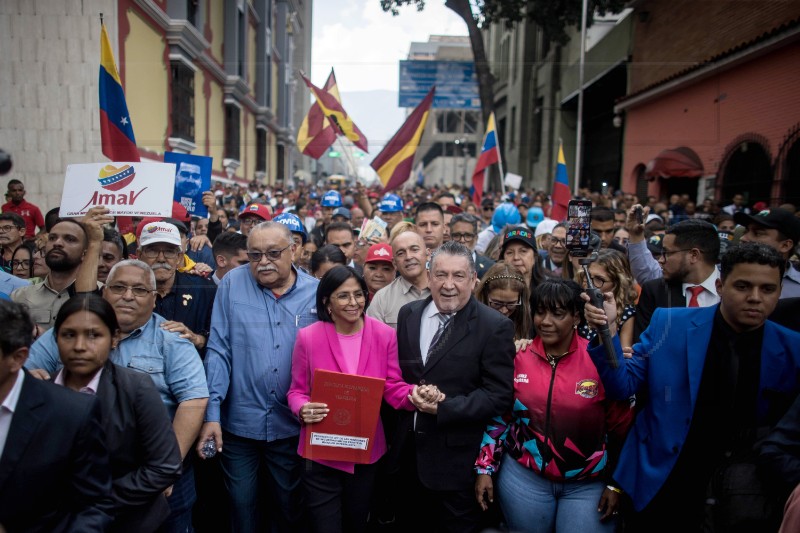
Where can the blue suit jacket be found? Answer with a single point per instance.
(668, 363)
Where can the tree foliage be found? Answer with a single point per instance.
(553, 16)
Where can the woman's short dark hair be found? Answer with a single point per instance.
(90, 303)
(327, 254)
(17, 330)
(554, 294)
(332, 280)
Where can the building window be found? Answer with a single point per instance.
(538, 117)
(241, 42)
(261, 150)
(231, 132)
(192, 9)
(182, 101)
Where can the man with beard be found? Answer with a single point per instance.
(185, 300)
(64, 252)
(688, 260)
(410, 256)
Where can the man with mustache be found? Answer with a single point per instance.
(257, 314)
(185, 300)
(66, 247)
(410, 257)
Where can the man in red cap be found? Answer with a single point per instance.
(379, 269)
(253, 215)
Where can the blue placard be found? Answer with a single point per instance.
(456, 84)
(192, 178)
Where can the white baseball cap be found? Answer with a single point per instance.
(545, 226)
(155, 232)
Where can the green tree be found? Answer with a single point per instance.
(553, 16)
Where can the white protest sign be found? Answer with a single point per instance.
(513, 181)
(128, 189)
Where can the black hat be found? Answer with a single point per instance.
(774, 218)
(522, 234)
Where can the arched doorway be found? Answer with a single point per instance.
(789, 167)
(747, 171)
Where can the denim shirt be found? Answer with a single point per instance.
(249, 354)
(171, 362)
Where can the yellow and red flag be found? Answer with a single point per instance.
(316, 134)
(333, 110)
(395, 161)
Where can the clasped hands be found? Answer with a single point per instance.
(426, 398)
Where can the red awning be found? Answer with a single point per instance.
(680, 162)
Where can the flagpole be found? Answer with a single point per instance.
(499, 157)
(579, 133)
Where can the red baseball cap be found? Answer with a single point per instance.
(379, 252)
(180, 213)
(256, 210)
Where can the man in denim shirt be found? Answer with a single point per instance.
(257, 312)
(171, 361)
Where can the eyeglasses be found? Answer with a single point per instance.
(169, 253)
(6, 229)
(138, 291)
(497, 305)
(599, 281)
(272, 255)
(466, 237)
(248, 221)
(344, 297)
(24, 263)
(555, 241)
(666, 253)
(488, 208)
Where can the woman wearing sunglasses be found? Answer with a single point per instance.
(504, 289)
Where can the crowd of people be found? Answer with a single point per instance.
(163, 379)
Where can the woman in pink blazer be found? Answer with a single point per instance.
(344, 340)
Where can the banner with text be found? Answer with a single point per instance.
(128, 189)
(192, 177)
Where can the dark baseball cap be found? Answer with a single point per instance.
(773, 218)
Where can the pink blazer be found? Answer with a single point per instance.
(317, 346)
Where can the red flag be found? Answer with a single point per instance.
(316, 134)
(334, 111)
(393, 164)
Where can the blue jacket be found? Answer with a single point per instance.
(668, 363)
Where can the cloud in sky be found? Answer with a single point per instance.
(364, 44)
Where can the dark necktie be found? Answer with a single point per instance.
(444, 321)
(696, 290)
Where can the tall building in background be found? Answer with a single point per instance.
(454, 131)
(207, 77)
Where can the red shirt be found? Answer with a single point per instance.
(33, 217)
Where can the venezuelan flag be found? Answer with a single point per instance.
(561, 194)
(393, 164)
(490, 154)
(316, 134)
(116, 130)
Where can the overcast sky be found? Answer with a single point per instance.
(364, 44)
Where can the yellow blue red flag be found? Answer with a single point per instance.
(116, 130)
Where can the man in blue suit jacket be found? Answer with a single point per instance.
(712, 375)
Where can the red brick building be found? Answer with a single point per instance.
(720, 82)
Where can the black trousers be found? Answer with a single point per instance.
(338, 501)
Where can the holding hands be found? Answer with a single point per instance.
(426, 398)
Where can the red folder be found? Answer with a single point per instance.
(348, 432)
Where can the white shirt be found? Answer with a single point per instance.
(427, 329)
(8, 408)
(709, 296)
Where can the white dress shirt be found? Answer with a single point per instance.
(709, 296)
(8, 408)
(427, 329)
